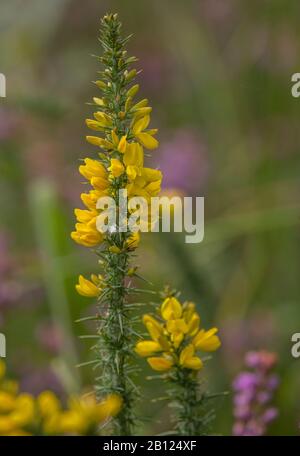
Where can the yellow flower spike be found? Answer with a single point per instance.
(116, 167)
(188, 360)
(207, 341)
(147, 348)
(94, 125)
(160, 364)
(87, 288)
(122, 144)
(171, 309)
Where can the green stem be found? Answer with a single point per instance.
(187, 403)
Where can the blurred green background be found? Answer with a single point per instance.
(217, 74)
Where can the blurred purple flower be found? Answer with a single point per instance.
(8, 124)
(50, 337)
(188, 156)
(34, 381)
(254, 392)
(13, 292)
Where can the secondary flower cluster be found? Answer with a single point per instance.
(176, 337)
(254, 390)
(24, 414)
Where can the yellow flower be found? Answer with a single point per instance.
(7, 402)
(171, 309)
(144, 137)
(160, 364)
(84, 413)
(188, 360)
(177, 326)
(123, 144)
(93, 168)
(154, 328)
(193, 324)
(84, 216)
(147, 348)
(89, 288)
(207, 340)
(134, 160)
(133, 241)
(116, 167)
(86, 235)
(24, 412)
(48, 403)
(103, 119)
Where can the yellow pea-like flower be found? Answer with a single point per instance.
(116, 167)
(87, 287)
(193, 324)
(154, 328)
(171, 309)
(133, 90)
(160, 364)
(207, 340)
(48, 403)
(98, 101)
(178, 325)
(140, 124)
(147, 141)
(122, 144)
(188, 360)
(147, 348)
(92, 168)
(94, 125)
(103, 119)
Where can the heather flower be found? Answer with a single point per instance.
(254, 390)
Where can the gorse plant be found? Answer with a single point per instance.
(122, 127)
(176, 339)
(122, 133)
